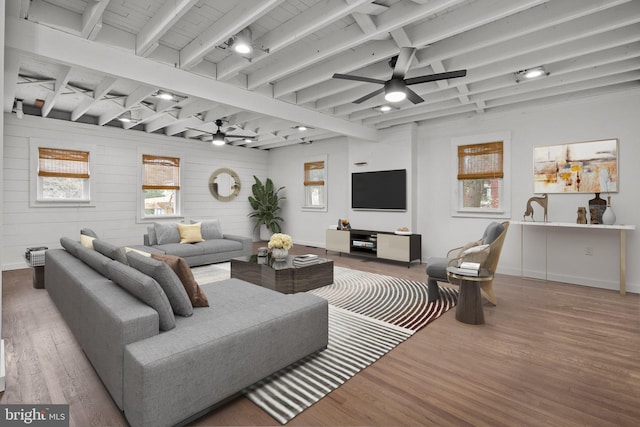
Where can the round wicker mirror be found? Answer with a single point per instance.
(224, 184)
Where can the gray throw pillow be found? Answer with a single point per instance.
(146, 290)
(151, 233)
(95, 260)
(492, 232)
(167, 233)
(166, 278)
(110, 250)
(210, 229)
(70, 245)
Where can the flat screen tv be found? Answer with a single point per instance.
(379, 190)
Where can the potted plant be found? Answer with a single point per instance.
(265, 203)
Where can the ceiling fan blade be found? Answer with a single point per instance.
(405, 57)
(358, 78)
(369, 96)
(241, 136)
(434, 77)
(414, 97)
(200, 130)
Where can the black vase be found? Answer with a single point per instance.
(597, 207)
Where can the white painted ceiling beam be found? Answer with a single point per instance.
(139, 94)
(101, 90)
(92, 18)
(11, 70)
(59, 46)
(195, 106)
(161, 107)
(399, 35)
(61, 83)
(591, 44)
(399, 14)
(17, 8)
(180, 126)
(298, 27)
(159, 122)
(365, 22)
(457, 21)
(237, 19)
(160, 23)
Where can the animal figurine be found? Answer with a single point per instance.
(542, 201)
(582, 215)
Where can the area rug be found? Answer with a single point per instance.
(369, 315)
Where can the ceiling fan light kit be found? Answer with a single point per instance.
(219, 137)
(395, 89)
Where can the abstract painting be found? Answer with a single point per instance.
(578, 167)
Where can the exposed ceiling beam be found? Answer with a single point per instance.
(160, 23)
(101, 90)
(237, 19)
(92, 18)
(396, 16)
(365, 22)
(61, 83)
(298, 27)
(139, 94)
(11, 70)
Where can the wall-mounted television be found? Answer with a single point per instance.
(379, 190)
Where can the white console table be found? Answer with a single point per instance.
(623, 241)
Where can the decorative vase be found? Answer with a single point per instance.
(279, 254)
(609, 217)
(596, 209)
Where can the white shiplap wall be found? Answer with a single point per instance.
(114, 184)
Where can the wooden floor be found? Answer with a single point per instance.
(549, 354)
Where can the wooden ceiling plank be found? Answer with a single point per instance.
(160, 23)
(396, 16)
(298, 27)
(237, 19)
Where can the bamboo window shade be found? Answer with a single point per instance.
(480, 161)
(314, 173)
(160, 173)
(55, 162)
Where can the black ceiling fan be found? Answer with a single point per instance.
(220, 138)
(395, 89)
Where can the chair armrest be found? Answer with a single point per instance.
(454, 253)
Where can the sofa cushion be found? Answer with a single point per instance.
(146, 289)
(110, 250)
(70, 245)
(166, 278)
(220, 245)
(211, 229)
(182, 269)
(190, 233)
(167, 233)
(95, 260)
(151, 233)
(181, 250)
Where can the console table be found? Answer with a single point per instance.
(623, 241)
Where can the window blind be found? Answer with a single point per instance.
(480, 161)
(55, 162)
(314, 173)
(160, 173)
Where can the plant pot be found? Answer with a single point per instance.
(265, 233)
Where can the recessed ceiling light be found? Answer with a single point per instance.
(242, 42)
(248, 140)
(384, 108)
(164, 95)
(530, 73)
(301, 128)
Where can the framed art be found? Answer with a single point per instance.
(578, 167)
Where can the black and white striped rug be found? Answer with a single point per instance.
(369, 315)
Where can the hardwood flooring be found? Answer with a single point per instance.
(549, 354)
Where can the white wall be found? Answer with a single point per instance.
(583, 120)
(114, 184)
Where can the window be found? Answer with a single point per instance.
(315, 185)
(160, 186)
(481, 180)
(63, 175)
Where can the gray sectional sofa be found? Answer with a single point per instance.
(162, 368)
(216, 247)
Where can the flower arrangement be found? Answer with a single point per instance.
(280, 241)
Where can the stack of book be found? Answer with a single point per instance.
(304, 260)
(469, 268)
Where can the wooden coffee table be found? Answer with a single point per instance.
(282, 276)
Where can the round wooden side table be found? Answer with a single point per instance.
(469, 307)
